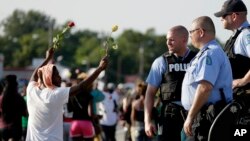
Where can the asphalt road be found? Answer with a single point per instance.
(120, 133)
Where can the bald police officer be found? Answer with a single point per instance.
(166, 74)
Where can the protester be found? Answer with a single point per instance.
(166, 74)
(207, 85)
(109, 111)
(137, 116)
(45, 100)
(12, 108)
(82, 107)
(234, 17)
(23, 86)
(67, 115)
(131, 95)
(125, 112)
(98, 97)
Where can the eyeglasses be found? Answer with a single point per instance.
(192, 31)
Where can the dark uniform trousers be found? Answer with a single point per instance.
(243, 98)
(204, 120)
(171, 122)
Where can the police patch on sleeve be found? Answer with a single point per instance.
(208, 60)
(248, 39)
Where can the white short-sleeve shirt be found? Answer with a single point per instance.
(45, 109)
(106, 109)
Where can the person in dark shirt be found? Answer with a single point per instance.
(12, 108)
(82, 107)
(137, 115)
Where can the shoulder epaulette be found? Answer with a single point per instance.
(167, 54)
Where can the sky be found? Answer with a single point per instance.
(139, 15)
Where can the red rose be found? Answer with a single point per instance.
(58, 37)
(71, 24)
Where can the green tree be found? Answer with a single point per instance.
(127, 60)
(25, 36)
(20, 23)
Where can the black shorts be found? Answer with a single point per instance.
(11, 132)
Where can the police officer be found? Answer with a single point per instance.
(166, 74)
(234, 17)
(207, 81)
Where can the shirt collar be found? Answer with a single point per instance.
(186, 54)
(243, 25)
(209, 43)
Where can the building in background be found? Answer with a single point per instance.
(26, 72)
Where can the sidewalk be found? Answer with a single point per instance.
(120, 133)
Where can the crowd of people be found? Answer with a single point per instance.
(184, 92)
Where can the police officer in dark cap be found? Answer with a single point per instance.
(234, 17)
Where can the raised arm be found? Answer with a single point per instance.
(49, 56)
(243, 81)
(89, 80)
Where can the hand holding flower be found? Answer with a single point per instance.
(58, 38)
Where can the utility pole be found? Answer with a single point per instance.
(141, 63)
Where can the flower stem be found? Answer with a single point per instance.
(107, 44)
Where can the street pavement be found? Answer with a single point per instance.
(120, 133)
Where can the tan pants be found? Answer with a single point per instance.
(97, 138)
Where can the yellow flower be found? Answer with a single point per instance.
(114, 28)
(110, 41)
(115, 46)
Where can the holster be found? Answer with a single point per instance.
(170, 110)
(241, 96)
(205, 118)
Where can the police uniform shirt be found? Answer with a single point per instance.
(210, 64)
(242, 43)
(158, 68)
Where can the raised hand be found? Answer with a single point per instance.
(50, 53)
(104, 63)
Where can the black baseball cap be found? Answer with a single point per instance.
(231, 6)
